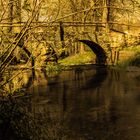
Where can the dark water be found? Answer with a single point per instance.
(87, 104)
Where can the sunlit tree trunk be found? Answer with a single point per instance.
(13, 15)
(105, 16)
(17, 16)
(10, 14)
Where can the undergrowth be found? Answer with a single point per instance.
(132, 61)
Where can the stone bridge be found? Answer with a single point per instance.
(68, 38)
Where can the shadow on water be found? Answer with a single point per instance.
(98, 78)
(85, 103)
(94, 81)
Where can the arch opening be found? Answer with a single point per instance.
(100, 53)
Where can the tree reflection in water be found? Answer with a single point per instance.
(86, 104)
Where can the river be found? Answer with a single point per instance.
(85, 103)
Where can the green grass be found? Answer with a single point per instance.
(133, 48)
(133, 60)
(78, 59)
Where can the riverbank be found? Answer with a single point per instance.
(130, 59)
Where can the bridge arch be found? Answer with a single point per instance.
(100, 53)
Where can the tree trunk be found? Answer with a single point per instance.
(105, 17)
(10, 15)
(17, 14)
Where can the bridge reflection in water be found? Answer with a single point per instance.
(87, 103)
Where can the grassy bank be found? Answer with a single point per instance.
(79, 59)
(132, 60)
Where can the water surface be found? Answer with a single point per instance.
(92, 103)
(84, 103)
